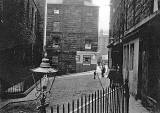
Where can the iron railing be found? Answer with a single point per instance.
(109, 100)
(12, 90)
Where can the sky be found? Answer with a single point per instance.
(104, 13)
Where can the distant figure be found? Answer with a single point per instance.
(111, 75)
(103, 70)
(95, 74)
(115, 77)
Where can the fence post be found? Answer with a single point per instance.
(111, 101)
(98, 101)
(63, 109)
(103, 100)
(114, 101)
(122, 91)
(73, 106)
(107, 99)
(89, 103)
(118, 103)
(81, 104)
(85, 104)
(95, 102)
(57, 108)
(92, 103)
(127, 95)
(51, 109)
(77, 105)
(68, 107)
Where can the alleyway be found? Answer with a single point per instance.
(64, 90)
(68, 88)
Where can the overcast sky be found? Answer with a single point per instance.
(104, 13)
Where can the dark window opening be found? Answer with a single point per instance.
(87, 59)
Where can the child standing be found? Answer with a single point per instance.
(95, 74)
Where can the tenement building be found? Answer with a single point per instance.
(72, 35)
(134, 45)
(21, 44)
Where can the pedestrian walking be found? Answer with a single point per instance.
(111, 76)
(95, 74)
(116, 78)
(103, 70)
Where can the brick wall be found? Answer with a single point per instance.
(76, 24)
(20, 44)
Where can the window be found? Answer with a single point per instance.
(56, 26)
(87, 44)
(86, 59)
(55, 60)
(56, 11)
(77, 58)
(55, 43)
(131, 56)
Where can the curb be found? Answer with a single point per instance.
(19, 96)
(32, 87)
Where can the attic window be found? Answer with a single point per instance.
(56, 11)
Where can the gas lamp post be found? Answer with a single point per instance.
(44, 87)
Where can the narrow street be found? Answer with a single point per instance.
(64, 90)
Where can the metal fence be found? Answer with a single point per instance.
(109, 100)
(16, 90)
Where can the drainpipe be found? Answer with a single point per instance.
(45, 26)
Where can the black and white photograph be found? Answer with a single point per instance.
(79, 56)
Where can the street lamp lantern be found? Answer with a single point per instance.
(44, 85)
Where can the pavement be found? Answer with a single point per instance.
(135, 106)
(34, 94)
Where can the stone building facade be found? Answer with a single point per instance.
(134, 36)
(21, 42)
(72, 36)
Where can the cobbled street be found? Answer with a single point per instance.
(64, 90)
